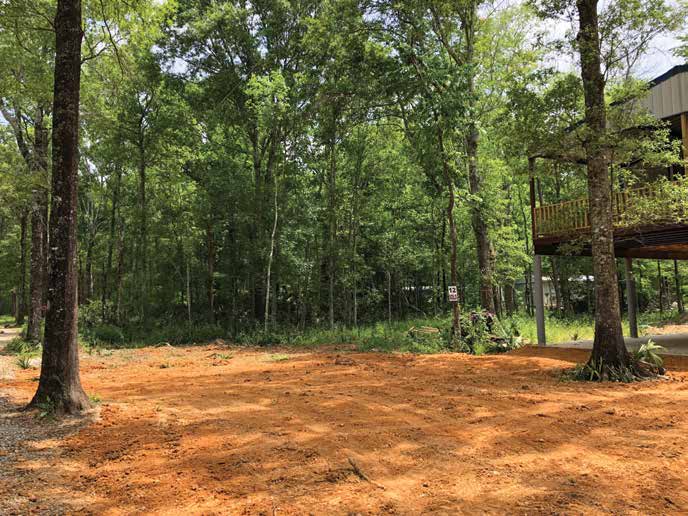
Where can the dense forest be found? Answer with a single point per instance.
(291, 164)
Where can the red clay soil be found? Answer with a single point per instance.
(209, 430)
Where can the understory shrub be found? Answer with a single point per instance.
(105, 334)
(645, 363)
(19, 346)
(175, 334)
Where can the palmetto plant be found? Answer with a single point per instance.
(648, 353)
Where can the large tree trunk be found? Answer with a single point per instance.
(609, 349)
(59, 383)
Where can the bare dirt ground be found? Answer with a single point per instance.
(215, 430)
(669, 328)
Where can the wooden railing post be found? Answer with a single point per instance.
(533, 217)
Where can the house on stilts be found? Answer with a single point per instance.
(561, 228)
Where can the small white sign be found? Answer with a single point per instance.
(453, 294)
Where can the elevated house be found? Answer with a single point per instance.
(564, 228)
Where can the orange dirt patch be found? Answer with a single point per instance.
(213, 430)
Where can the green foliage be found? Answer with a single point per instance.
(206, 123)
(24, 361)
(46, 409)
(648, 354)
(176, 334)
(105, 335)
(645, 362)
(19, 346)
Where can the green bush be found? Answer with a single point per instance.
(175, 334)
(107, 334)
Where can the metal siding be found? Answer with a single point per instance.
(669, 98)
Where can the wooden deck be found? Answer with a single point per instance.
(648, 223)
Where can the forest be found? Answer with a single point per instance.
(279, 164)
(219, 193)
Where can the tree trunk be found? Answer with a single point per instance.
(509, 298)
(119, 279)
(679, 288)
(332, 216)
(39, 227)
(483, 244)
(475, 180)
(21, 303)
(211, 272)
(660, 286)
(188, 288)
(449, 183)
(389, 297)
(36, 287)
(143, 221)
(59, 384)
(111, 240)
(609, 349)
(270, 257)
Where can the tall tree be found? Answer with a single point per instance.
(59, 383)
(609, 349)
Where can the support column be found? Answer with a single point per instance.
(539, 301)
(632, 299)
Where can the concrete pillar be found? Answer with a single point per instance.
(539, 296)
(631, 298)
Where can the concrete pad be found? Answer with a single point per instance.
(674, 343)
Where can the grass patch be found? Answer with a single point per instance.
(277, 357)
(7, 319)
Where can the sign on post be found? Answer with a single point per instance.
(453, 294)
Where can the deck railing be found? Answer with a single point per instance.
(570, 217)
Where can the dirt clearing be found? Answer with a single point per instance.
(214, 430)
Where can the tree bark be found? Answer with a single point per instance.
(39, 228)
(37, 269)
(59, 384)
(21, 303)
(609, 349)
